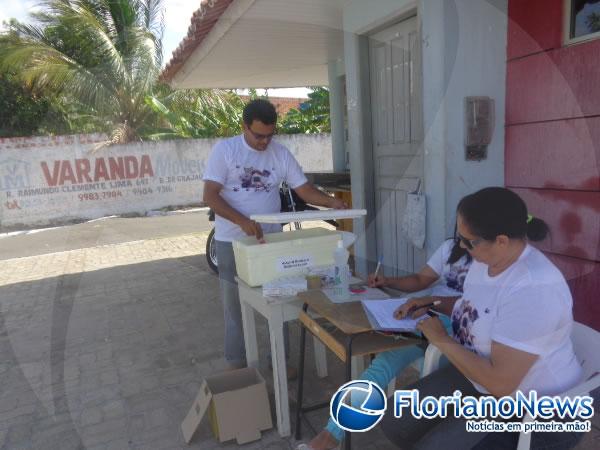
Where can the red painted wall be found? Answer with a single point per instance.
(535, 25)
(553, 141)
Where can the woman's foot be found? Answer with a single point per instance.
(323, 441)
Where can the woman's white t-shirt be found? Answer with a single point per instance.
(527, 307)
(452, 276)
(250, 180)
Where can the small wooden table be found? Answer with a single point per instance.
(352, 336)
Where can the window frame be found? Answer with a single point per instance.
(568, 40)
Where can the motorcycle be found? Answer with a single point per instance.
(290, 202)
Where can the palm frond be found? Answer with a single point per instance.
(103, 54)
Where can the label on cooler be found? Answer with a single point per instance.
(294, 262)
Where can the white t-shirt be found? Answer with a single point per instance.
(250, 180)
(452, 276)
(527, 307)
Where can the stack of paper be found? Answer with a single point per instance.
(381, 315)
(285, 286)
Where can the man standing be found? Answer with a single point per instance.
(242, 178)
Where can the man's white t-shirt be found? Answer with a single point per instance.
(250, 180)
(452, 276)
(527, 307)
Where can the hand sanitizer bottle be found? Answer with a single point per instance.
(341, 287)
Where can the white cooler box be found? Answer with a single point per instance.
(283, 254)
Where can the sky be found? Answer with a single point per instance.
(177, 19)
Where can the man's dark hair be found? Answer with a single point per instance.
(261, 110)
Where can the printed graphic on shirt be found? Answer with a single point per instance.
(455, 278)
(463, 318)
(255, 180)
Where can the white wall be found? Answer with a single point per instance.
(57, 179)
(464, 54)
(313, 151)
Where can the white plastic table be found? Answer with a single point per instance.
(277, 311)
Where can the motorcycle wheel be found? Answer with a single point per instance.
(211, 252)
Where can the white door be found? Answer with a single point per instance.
(395, 61)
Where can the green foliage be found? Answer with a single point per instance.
(311, 117)
(102, 55)
(21, 111)
(198, 114)
(93, 65)
(254, 95)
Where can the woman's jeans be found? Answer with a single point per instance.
(384, 369)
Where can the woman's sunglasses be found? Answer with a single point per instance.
(469, 243)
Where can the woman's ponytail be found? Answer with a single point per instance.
(537, 229)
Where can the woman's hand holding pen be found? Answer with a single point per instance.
(414, 307)
(376, 280)
(431, 327)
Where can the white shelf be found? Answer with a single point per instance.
(304, 216)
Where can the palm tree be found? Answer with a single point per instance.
(105, 55)
(197, 113)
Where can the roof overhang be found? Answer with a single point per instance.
(258, 43)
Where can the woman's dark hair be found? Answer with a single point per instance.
(261, 110)
(493, 211)
(457, 252)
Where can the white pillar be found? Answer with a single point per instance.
(356, 57)
(336, 108)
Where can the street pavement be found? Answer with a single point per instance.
(99, 232)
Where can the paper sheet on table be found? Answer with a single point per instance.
(369, 294)
(381, 315)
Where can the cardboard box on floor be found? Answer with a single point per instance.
(237, 404)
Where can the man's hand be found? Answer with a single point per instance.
(212, 198)
(313, 196)
(336, 203)
(251, 228)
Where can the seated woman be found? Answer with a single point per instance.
(449, 264)
(511, 327)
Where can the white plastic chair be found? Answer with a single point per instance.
(586, 342)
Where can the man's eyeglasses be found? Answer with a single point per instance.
(469, 243)
(261, 137)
